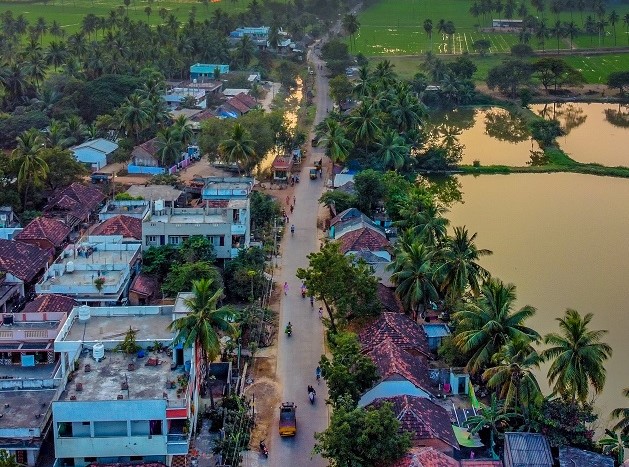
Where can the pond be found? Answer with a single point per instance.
(490, 135)
(594, 132)
(562, 240)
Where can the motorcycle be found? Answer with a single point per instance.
(311, 396)
(303, 292)
(263, 449)
(288, 331)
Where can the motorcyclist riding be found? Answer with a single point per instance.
(289, 329)
(292, 229)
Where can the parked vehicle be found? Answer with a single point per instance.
(263, 449)
(288, 419)
(313, 172)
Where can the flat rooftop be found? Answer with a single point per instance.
(126, 210)
(26, 372)
(25, 409)
(105, 378)
(113, 328)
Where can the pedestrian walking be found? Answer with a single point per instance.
(320, 312)
(285, 288)
(294, 200)
(291, 208)
(287, 200)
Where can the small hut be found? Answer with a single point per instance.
(282, 166)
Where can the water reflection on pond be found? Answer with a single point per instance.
(594, 132)
(489, 135)
(561, 239)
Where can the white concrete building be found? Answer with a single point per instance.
(225, 218)
(120, 407)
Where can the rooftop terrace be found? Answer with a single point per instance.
(105, 379)
(26, 410)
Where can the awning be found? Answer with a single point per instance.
(465, 439)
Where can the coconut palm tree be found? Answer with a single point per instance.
(184, 130)
(244, 50)
(332, 136)
(169, 146)
(27, 155)
(459, 264)
(413, 275)
(490, 323)
(365, 124)
(239, 148)
(351, 26)
(625, 20)
(578, 356)
(406, 110)
(56, 54)
(134, 115)
(615, 443)
(613, 19)
(392, 150)
(202, 324)
(492, 417)
(623, 415)
(513, 376)
(361, 90)
(428, 27)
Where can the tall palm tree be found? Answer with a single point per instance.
(625, 20)
(244, 50)
(578, 356)
(428, 27)
(492, 417)
(134, 115)
(571, 31)
(362, 85)
(613, 19)
(623, 414)
(430, 224)
(169, 146)
(27, 155)
(413, 275)
(513, 376)
(238, 149)
(365, 124)
(56, 54)
(459, 264)
(558, 31)
(406, 110)
(184, 130)
(201, 325)
(332, 136)
(490, 323)
(351, 26)
(392, 150)
(541, 33)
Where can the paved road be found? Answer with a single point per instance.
(299, 354)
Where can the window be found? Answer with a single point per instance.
(174, 240)
(89, 459)
(221, 240)
(217, 240)
(151, 240)
(64, 429)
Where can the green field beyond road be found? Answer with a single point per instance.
(395, 27)
(69, 14)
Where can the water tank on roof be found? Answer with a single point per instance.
(84, 313)
(98, 351)
(159, 205)
(70, 266)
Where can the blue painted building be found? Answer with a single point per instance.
(206, 71)
(94, 152)
(259, 36)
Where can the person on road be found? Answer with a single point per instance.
(285, 288)
(320, 312)
(311, 301)
(318, 373)
(292, 229)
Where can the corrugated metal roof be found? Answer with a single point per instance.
(436, 330)
(99, 144)
(527, 450)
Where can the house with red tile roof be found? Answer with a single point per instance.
(247, 100)
(130, 228)
(145, 154)
(402, 331)
(481, 463)
(50, 303)
(74, 204)
(233, 104)
(143, 290)
(20, 266)
(425, 457)
(389, 300)
(365, 238)
(428, 423)
(46, 233)
(400, 373)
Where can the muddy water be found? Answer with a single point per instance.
(594, 132)
(290, 120)
(489, 135)
(562, 240)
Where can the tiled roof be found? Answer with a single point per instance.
(282, 163)
(569, 457)
(425, 457)
(22, 260)
(149, 146)
(144, 285)
(346, 215)
(49, 303)
(363, 239)
(389, 300)
(397, 328)
(249, 101)
(391, 360)
(481, 463)
(527, 450)
(238, 105)
(45, 228)
(128, 227)
(201, 116)
(77, 200)
(422, 418)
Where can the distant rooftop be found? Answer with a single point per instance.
(155, 192)
(26, 409)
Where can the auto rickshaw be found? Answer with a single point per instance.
(312, 172)
(288, 419)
